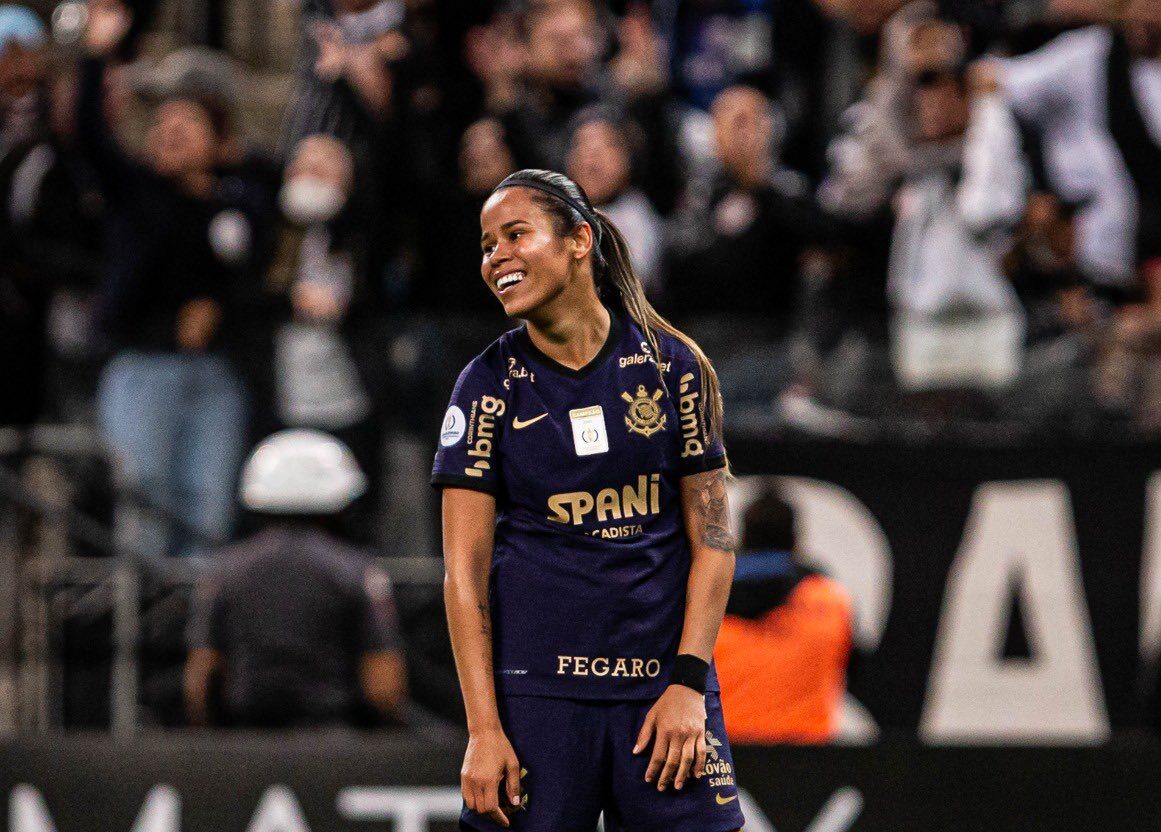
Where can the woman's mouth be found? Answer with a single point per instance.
(509, 280)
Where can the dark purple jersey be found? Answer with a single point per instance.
(591, 559)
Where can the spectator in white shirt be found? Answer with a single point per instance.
(957, 319)
(1063, 89)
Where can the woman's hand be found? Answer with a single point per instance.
(197, 321)
(490, 760)
(316, 301)
(497, 57)
(677, 723)
(333, 54)
(639, 68)
(108, 23)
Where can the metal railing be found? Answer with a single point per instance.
(27, 582)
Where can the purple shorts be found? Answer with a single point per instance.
(580, 762)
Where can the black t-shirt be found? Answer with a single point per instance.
(291, 611)
(159, 254)
(747, 267)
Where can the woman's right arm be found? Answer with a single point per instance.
(469, 519)
(109, 22)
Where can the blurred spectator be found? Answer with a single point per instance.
(749, 227)
(818, 72)
(869, 158)
(1129, 373)
(1042, 267)
(1094, 95)
(317, 384)
(243, 235)
(867, 16)
(1064, 322)
(951, 150)
(345, 85)
(22, 72)
(171, 405)
(783, 649)
(601, 159)
(292, 627)
(448, 278)
(737, 248)
(49, 225)
(309, 361)
(716, 44)
(50, 231)
(541, 70)
(958, 322)
(641, 90)
(561, 45)
(498, 58)
(449, 310)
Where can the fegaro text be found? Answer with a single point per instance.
(629, 668)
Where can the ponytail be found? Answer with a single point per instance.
(613, 272)
(618, 274)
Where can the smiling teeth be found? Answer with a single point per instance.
(509, 280)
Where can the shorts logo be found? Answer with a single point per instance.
(712, 745)
(722, 800)
(509, 809)
(523, 794)
(644, 416)
(719, 770)
(454, 425)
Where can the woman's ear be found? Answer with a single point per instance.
(581, 241)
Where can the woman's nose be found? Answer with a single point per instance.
(500, 254)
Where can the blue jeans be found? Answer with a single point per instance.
(176, 426)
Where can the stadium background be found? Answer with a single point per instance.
(999, 531)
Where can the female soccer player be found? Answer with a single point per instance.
(586, 539)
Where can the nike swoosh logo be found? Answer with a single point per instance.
(722, 801)
(518, 425)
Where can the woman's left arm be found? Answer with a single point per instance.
(677, 720)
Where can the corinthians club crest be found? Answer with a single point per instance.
(644, 416)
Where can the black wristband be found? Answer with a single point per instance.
(690, 671)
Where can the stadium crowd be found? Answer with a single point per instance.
(880, 218)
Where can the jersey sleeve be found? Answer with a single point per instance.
(699, 451)
(469, 437)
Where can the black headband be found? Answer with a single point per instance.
(553, 190)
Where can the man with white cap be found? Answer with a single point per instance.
(293, 627)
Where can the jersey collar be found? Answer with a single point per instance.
(616, 329)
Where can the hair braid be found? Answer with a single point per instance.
(619, 274)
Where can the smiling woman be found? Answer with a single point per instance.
(592, 602)
(521, 248)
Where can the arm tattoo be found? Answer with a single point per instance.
(715, 513)
(485, 620)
